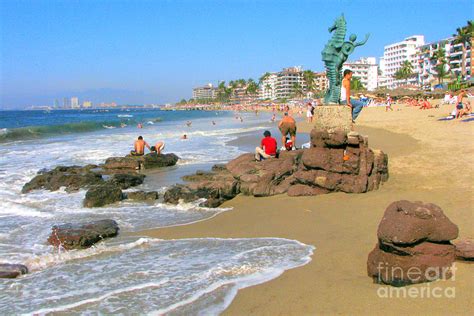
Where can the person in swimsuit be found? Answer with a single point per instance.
(139, 147)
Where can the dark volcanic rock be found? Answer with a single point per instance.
(142, 196)
(413, 245)
(148, 161)
(406, 222)
(102, 194)
(11, 271)
(129, 162)
(72, 178)
(125, 180)
(305, 190)
(82, 235)
(157, 161)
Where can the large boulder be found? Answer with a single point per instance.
(158, 161)
(412, 264)
(127, 180)
(413, 245)
(72, 178)
(11, 271)
(82, 235)
(142, 196)
(103, 194)
(406, 222)
(128, 163)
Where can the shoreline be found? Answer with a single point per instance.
(343, 227)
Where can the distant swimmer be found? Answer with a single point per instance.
(139, 125)
(189, 123)
(213, 123)
(184, 136)
(122, 125)
(139, 147)
(241, 119)
(158, 148)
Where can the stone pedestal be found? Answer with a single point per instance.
(333, 117)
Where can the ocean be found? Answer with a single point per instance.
(124, 275)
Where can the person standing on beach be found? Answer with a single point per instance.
(309, 112)
(459, 104)
(267, 148)
(388, 103)
(355, 105)
(287, 126)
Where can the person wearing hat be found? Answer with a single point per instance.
(268, 147)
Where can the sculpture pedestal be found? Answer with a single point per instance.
(333, 117)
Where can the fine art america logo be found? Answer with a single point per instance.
(414, 275)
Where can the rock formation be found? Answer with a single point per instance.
(336, 161)
(413, 245)
(11, 271)
(464, 249)
(82, 235)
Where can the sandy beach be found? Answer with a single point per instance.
(429, 160)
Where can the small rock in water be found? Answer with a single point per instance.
(11, 271)
(103, 194)
(82, 235)
(142, 196)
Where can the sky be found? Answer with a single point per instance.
(135, 52)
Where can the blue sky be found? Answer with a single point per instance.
(156, 51)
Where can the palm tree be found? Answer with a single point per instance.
(264, 77)
(464, 36)
(308, 77)
(297, 90)
(439, 58)
(252, 87)
(356, 84)
(405, 71)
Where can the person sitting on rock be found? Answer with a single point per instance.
(139, 147)
(158, 148)
(267, 147)
(287, 126)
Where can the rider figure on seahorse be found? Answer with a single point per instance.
(334, 54)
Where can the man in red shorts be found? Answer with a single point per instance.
(267, 147)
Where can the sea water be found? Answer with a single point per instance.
(124, 275)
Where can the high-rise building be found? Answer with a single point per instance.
(56, 103)
(321, 82)
(267, 87)
(395, 54)
(366, 70)
(205, 92)
(74, 103)
(288, 81)
(65, 103)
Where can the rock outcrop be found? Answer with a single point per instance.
(142, 196)
(11, 271)
(82, 235)
(413, 245)
(127, 180)
(103, 194)
(335, 162)
(72, 178)
(148, 161)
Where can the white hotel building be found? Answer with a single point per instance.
(366, 70)
(268, 87)
(395, 54)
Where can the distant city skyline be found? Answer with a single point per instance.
(155, 52)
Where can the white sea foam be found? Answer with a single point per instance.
(187, 276)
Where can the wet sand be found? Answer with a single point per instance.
(429, 160)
